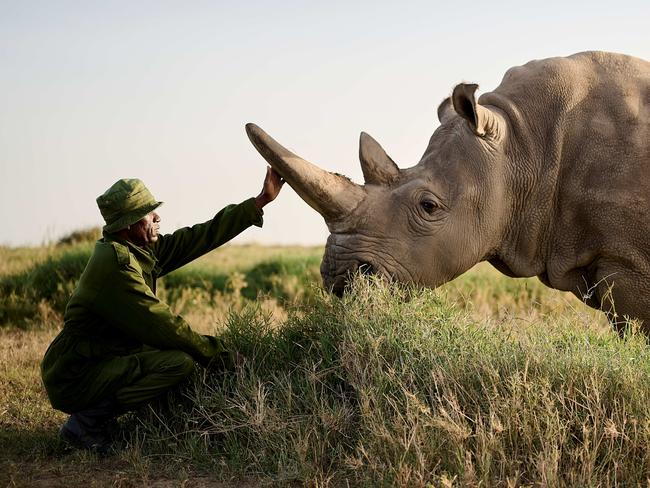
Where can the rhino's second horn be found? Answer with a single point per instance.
(378, 168)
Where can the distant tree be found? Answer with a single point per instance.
(90, 234)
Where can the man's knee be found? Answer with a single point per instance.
(178, 364)
(160, 371)
(169, 364)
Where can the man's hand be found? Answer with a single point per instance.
(272, 185)
(226, 361)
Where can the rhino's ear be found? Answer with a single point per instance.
(445, 110)
(378, 168)
(464, 101)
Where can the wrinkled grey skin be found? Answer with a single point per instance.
(548, 176)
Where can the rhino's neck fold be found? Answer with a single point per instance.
(531, 173)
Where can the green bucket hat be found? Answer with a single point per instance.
(124, 203)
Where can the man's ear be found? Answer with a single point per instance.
(464, 102)
(445, 110)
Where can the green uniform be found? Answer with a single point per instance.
(119, 341)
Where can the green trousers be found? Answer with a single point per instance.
(159, 371)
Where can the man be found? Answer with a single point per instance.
(121, 346)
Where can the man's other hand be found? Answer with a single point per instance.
(226, 361)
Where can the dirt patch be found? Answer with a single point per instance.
(62, 474)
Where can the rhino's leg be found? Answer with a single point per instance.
(622, 294)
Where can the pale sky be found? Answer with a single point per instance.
(93, 91)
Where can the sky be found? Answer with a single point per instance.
(94, 91)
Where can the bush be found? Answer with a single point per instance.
(285, 278)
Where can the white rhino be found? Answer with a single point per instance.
(548, 176)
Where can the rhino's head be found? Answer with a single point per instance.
(425, 224)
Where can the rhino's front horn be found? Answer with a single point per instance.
(331, 195)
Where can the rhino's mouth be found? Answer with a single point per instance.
(339, 283)
(367, 269)
(341, 264)
(349, 254)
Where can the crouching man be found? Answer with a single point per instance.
(121, 346)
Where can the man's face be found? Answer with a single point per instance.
(145, 230)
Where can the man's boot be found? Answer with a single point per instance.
(89, 428)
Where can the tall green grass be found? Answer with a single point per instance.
(393, 386)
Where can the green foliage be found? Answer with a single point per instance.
(48, 284)
(283, 277)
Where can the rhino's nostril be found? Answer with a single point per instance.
(366, 269)
(339, 286)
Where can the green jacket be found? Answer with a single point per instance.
(114, 311)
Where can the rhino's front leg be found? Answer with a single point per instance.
(621, 293)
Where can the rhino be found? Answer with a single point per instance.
(548, 175)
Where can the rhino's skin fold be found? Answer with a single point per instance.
(548, 175)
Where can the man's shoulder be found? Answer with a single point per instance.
(122, 253)
(111, 254)
(106, 262)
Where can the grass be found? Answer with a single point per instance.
(487, 381)
(395, 387)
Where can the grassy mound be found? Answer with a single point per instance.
(393, 386)
(81, 236)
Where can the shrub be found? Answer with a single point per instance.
(285, 278)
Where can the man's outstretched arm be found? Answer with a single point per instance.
(186, 244)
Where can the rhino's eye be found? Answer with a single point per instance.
(429, 206)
